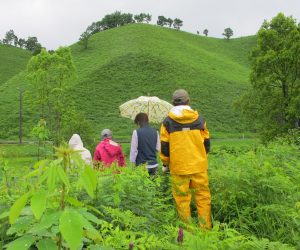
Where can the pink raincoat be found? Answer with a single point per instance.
(108, 151)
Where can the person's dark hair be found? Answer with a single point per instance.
(180, 102)
(141, 119)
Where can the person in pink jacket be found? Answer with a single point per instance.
(108, 151)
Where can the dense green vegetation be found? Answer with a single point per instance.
(255, 192)
(139, 59)
(274, 99)
(13, 60)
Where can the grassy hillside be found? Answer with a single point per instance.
(123, 63)
(12, 61)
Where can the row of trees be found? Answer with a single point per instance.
(31, 43)
(205, 32)
(228, 32)
(163, 21)
(117, 19)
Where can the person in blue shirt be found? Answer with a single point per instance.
(145, 143)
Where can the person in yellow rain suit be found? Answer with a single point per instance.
(185, 144)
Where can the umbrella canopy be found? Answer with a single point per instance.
(155, 108)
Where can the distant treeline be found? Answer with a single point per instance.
(31, 43)
(117, 19)
(109, 21)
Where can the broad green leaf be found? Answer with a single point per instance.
(63, 177)
(94, 209)
(40, 163)
(71, 228)
(52, 177)
(52, 173)
(49, 219)
(38, 203)
(89, 180)
(92, 176)
(89, 216)
(4, 215)
(32, 173)
(17, 207)
(22, 243)
(46, 244)
(74, 201)
(21, 225)
(44, 176)
(91, 232)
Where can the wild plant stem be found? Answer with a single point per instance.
(62, 196)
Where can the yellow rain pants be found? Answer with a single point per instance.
(182, 188)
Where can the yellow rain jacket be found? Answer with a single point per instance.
(184, 141)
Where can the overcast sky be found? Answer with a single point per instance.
(60, 22)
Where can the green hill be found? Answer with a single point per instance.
(123, 63)
(13, 60)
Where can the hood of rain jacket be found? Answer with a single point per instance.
(182, 136)
(76, 143)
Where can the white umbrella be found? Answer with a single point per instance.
(155, 108)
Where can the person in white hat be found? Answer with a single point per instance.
(76, 143)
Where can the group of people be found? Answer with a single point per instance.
(183, 145)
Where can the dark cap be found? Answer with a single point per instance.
(106, 133)
(180, 96)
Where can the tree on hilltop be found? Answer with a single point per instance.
(21, 42)
(84, 39)
(228, 32)
(162, 21)
(148, 18)
(139, 18)
(205, 32)
(94, 28)
(177, 23)
(33, 45)
(10, 37)
(16, 40)
(274, 101)
(169, 21)
(142, 17)
(116, 19)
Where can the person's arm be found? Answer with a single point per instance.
(97, 156)
(121, 158)
(134, 147)
(205, 134)
(158, 143)
(164, 150)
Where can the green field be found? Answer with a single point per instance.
(13, 60)
(123, 63)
